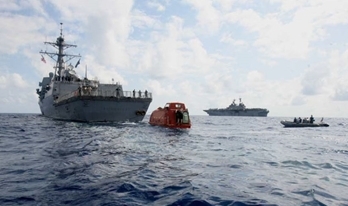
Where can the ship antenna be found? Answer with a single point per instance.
(86, 72)
(46, 41)
(61, 28)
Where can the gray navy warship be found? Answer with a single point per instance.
(65, 96)
(238, 110)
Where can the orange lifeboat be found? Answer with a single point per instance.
(173, 115)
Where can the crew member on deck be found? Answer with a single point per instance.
(118, 92)
(311, 119)
(179, 116)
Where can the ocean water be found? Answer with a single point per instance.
(219, 161)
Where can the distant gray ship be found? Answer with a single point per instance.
(238, 110)
(65, 96)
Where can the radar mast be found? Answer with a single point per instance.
(60, 58)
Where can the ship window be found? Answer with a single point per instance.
(178, 105)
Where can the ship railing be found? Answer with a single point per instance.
(104, 93)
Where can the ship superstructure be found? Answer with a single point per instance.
(65, 96)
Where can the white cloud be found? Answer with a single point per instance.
(280, 38)
(225, 5)
(255, 80)
(160, 89)
(314, 80)
(155, 4)
(9, 80)
(341, 94)
(17, 94)
(338, 79)
(9, 6)
(227, 38)
(107, 27)
(82, 10)
(298, 100)
(289, 5)
(199, 61)
(18, 32)
(99, 71)
(141, 20)
(218, 83)
(275, 38)
(208, 16)
(269, 62)
(164, 55)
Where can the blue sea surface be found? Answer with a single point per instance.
(219, 161)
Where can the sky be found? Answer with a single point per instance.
(289, 56)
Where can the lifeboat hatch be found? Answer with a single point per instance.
(185, 118)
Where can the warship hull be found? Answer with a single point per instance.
(96, 109)
(246, 112)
